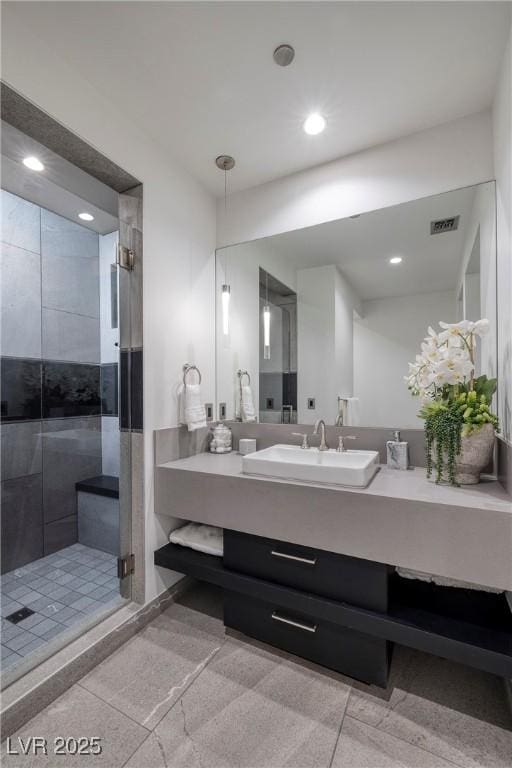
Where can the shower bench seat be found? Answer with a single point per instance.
(98, 513)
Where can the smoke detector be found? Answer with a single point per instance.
(444, 225)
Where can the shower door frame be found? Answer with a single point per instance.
(38, 125)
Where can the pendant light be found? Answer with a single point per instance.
(225, 163)
(266, 323)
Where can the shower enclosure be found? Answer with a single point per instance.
(62, 529)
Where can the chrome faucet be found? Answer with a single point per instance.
(341, 442)
(320, 424)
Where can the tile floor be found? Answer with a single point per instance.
(62, 589)
(183, 694)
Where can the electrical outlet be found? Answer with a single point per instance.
(269, 404)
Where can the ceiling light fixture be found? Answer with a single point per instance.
(86, 216)
(395, 260)
(33, 163)
(226, 295)
(314, 124)
(225, 163)
(266, 323)
(284, 55)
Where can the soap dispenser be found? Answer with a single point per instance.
(397, 452)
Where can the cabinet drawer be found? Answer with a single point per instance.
(339, 577)
(343, 650)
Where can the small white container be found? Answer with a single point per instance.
(246, 445)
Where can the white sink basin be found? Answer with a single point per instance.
(354, 468)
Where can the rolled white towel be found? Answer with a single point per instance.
(247, 410)
(194, 414)
(203, 538)
(443, 581)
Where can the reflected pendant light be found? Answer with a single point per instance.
(225, 163)
(226, 295)
(266, 323)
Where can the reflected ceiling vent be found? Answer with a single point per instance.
(444, 225)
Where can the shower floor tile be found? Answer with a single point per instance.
(63, 589)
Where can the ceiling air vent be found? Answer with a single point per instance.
(444, 225)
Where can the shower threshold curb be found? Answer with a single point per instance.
(26, 697)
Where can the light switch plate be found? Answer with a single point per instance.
(222, 411)
(209, 411)
(311, 403)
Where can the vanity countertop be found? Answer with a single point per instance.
(401, 518)
(390, 483)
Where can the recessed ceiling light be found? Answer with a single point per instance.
(314, 124)
(86, 217)
(33, 163)
(395, 260)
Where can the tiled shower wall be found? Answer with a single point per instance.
(54, 388)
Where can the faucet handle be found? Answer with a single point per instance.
(341, 442)
(304, 435)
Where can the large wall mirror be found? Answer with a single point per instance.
(322, 322)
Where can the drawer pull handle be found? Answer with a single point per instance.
(297, 624)
(296, 558)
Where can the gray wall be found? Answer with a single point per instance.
(51, 379)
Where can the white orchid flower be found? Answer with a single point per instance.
(482, 327)
(455, 329)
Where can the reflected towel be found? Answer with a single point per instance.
(247, 410)
(203, 538)
(194, 414)
(352, 412)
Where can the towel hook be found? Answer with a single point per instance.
(187, 368)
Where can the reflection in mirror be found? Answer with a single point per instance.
(278, 351)
(326, 319)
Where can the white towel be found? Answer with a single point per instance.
(203, 538)
(247, 411)
(194, 414)
(443, 581)
(352, 412)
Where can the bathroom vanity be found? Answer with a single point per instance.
(310, 568)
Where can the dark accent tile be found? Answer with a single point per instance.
(109, 390)
(131, 391)
(60, 533)
(22, 521)
(71, 452)
(70, 389)
(21, 389)
(136, 390)
(290, 389)
(124, 389)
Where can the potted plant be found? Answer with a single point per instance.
(459, 424)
